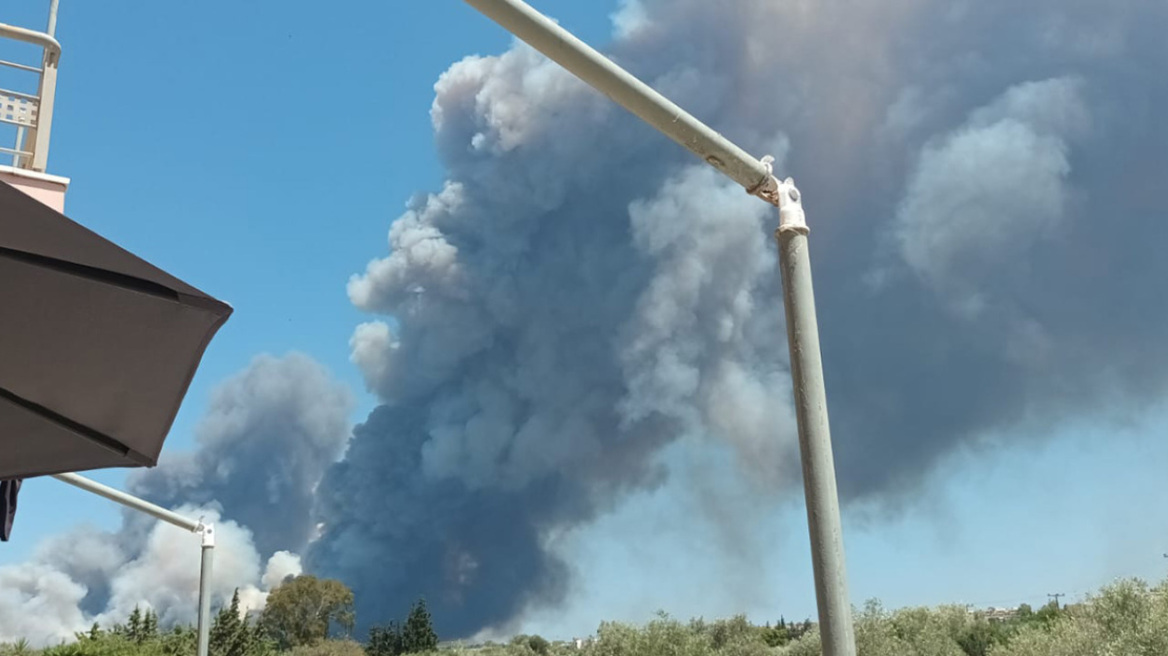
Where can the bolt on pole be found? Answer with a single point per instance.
(823, 513)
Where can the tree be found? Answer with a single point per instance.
(776, 636)
(418, 634)
(150, 625)
(539, 645)
(385, 641)
(231, 635)
(305, 610)
(139, 627)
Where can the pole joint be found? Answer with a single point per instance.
(768, 187)
(790, 203)
(207, 532)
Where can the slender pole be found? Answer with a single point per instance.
(51, 30)
(823, 514)
(819, 485)
(131, 501)
(207, 532)
(205, 570)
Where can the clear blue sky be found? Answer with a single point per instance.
(260, 150)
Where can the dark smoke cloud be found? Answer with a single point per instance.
(983, 180)
(263, 445)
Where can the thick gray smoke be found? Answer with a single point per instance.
(983, 184)
(264, 443)
(268, 436)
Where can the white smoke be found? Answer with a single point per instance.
(42, 600)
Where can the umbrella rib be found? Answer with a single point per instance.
(93, 273)
(95, 436)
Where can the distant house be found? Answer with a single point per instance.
(1000, 614)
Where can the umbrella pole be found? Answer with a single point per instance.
(207, 531)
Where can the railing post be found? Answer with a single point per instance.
(39, 136)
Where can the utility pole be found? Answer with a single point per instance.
(819, 484)
(1055, 598)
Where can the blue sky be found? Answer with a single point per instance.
(260, 150)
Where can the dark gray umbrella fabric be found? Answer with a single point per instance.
(97, 346)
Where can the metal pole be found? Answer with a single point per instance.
(131, 501)
(207, 532)
(562, 47)
(823, 514)
(52, 28)
(819, 485)
(205, 570)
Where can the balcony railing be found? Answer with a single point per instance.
(32, 114)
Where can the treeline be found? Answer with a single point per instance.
(314, 617)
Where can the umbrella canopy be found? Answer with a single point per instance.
(97, 346)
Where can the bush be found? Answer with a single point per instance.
(180, 641)
(539, 645)
(343, 647)
(1126, 618)
(664, 635)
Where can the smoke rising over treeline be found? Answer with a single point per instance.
(983, 181)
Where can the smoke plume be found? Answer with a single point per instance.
(984, 185)
(265, 441)
(980, 179)
(267, 437)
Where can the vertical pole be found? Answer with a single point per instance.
(205, 571)
(51, 30)
(819, 485)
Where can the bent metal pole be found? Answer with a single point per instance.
(755, 176)
(207, 532)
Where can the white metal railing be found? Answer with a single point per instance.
(31, 113)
